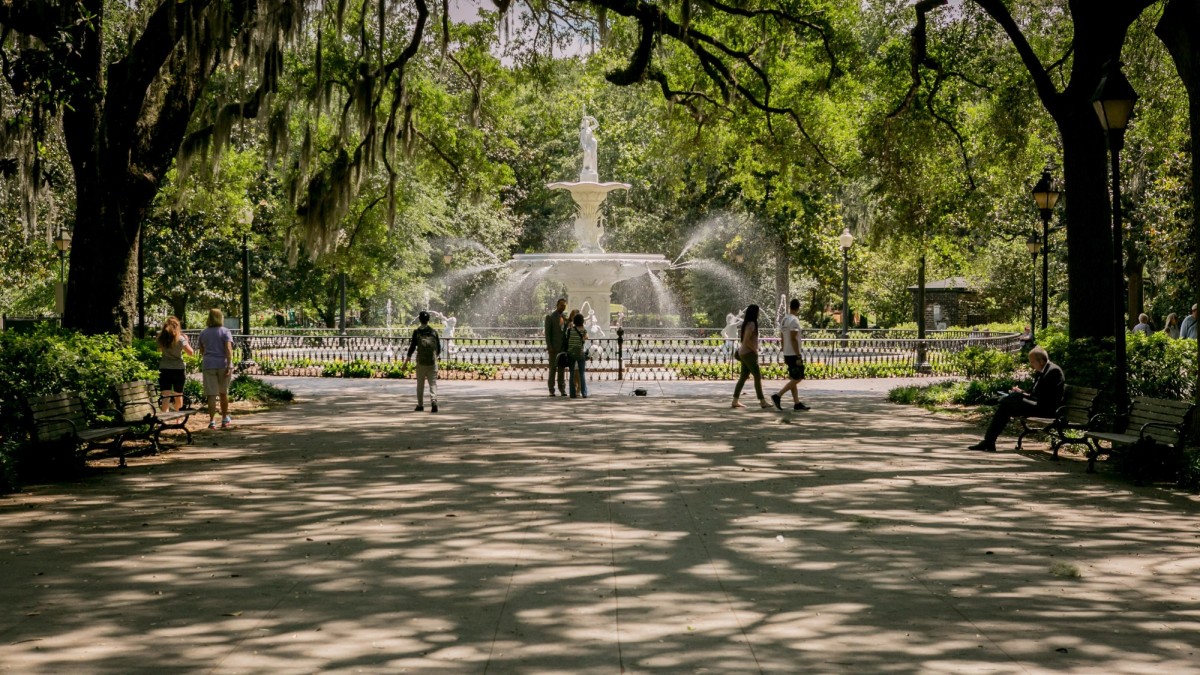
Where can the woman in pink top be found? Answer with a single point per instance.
(747, 354)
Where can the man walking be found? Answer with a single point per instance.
(1187, 329)
(428, 346)
(555, 331)
(1049, 386)
(789, 336)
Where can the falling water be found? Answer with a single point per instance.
(447, 243)
(781, 310)
(663, 296)
(704, 230)
(455, 276)
(509, 295)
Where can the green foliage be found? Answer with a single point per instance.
(246, 388)
(957, 392)
(979, 362)
(396, 370)
(813, 371)
(52, 361)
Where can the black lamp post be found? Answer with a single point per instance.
(247, 220)
(1114, 100)
(1034, 246)
(845, 241)
(62, 241)
(1046, 195)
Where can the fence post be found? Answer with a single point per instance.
(620, 353)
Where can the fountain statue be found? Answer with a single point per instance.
(450, 323)
(590, 273)
(587, 139)
(733, 325)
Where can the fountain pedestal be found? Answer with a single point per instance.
(589, 275)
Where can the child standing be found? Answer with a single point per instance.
(428, 346)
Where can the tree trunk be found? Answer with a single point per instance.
(1178, 29)
(102, 284)
(782, 272)
(1090, 289)
(179, 308)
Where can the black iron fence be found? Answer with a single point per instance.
(624, 357)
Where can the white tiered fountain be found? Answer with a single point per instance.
(590, 273)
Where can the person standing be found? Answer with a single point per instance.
(216, 350)
(1049, 385)
(577, 338)
(747, 355)
(1143, 325)
(1187, 329)
(1171, 325)
(428, 346)
(555, 330)
(171, 369)
(789, 336)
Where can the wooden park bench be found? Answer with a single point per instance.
(138, 405)
(1152, 422)
(60, 419)
(1074, 416)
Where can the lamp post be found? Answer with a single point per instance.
(1034, 246)
(1046, 195)
(62, 241)
(1114, 100)
(845, 241)
(141, 283)
(247, 219)
(447, 258)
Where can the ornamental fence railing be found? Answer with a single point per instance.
(624, 357)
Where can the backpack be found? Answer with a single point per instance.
(427, 347)
(575, 348)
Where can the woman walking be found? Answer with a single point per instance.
(1172, 326)
(216, 346)
(171, 373)
(747, 354)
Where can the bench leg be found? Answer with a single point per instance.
(1093, 450)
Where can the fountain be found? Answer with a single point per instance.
(590, 273)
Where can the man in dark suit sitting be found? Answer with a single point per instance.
(1048, 387)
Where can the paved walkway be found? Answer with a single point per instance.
(511, 533)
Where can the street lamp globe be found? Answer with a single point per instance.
(1034, 245)
(62, 241)
(845, 239)
(1114, 99)
(1046, 193)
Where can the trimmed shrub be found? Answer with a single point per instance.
(51, 361)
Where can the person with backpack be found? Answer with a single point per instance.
(428, 346)
(577, 355)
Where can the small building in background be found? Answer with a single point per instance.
(950, 302)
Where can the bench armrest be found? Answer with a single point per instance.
(1159, 425)
(1097, 418)
(45, 421)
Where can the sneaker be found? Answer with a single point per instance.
(226, 422)
(777, 401)
(433, 408)
(800, 406)
(985, 446)
(212, 424)
(551, 392)
(419, 408)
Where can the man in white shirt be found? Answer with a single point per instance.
(789, 337)
(1187, 329)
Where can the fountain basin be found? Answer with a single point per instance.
(589, 277)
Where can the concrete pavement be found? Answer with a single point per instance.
(513, 533)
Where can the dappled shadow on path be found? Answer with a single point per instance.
(516, 534)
